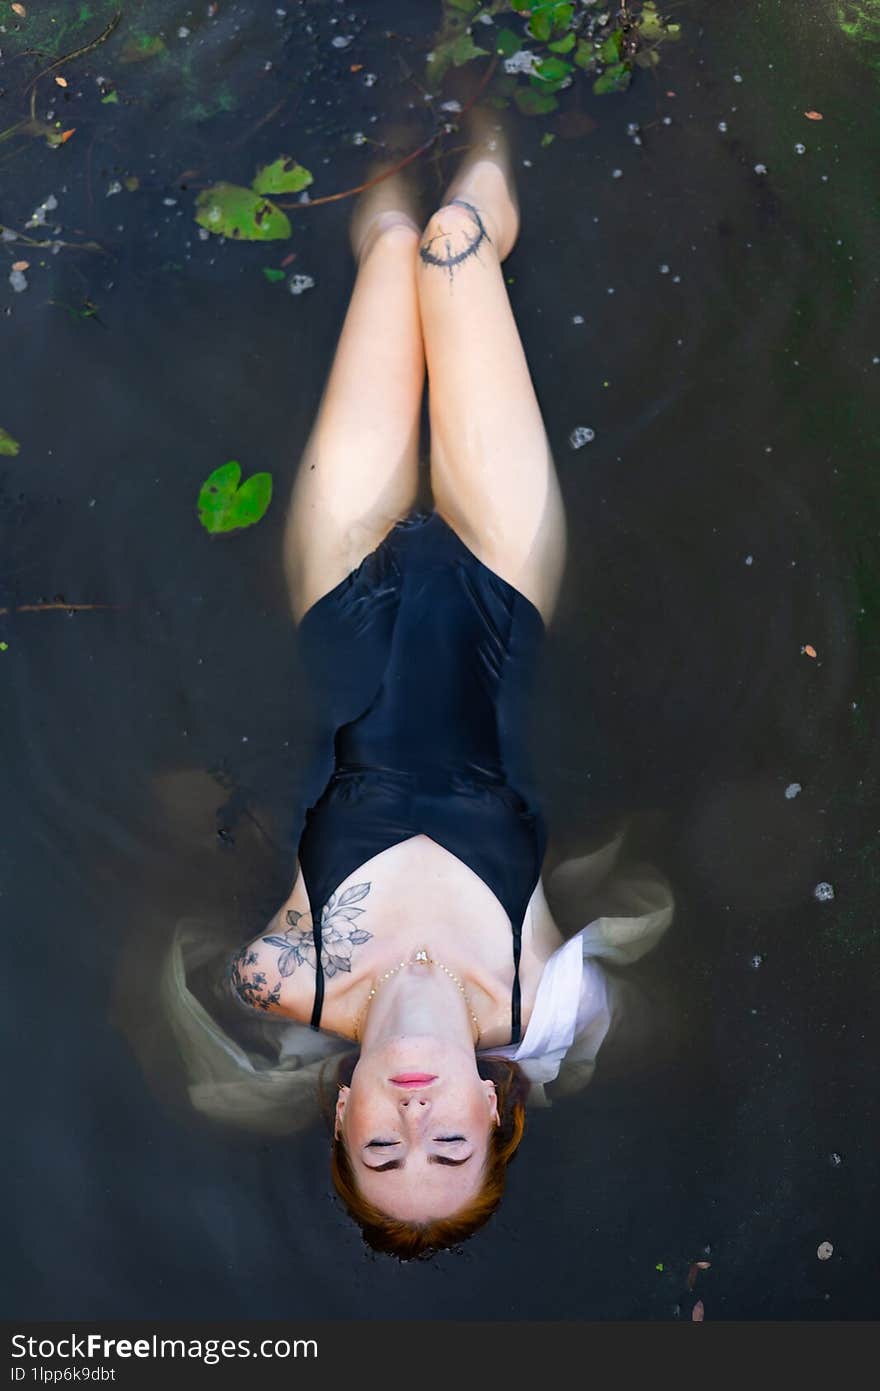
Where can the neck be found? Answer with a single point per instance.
(420, 999)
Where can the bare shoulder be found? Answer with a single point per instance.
(271, 972)
(545, 937)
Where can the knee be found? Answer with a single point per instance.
(454, 232)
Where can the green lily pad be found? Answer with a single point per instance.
(564, 45)
(8, 445)
(612, 47)
(233, 211)
(532, 103)
(271, 273)
(110, 97)
(284, 175)
(224, 506)
(614, 79)
(553, 69)
(508, 42)
(584, 55)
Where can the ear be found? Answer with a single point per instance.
(492, 1099)
(341, 1102)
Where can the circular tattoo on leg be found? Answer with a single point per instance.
(440, 249)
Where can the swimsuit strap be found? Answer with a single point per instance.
(515, 1017)
(319, 969)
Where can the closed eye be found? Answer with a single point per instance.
(380, 1144)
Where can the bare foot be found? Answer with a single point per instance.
(485, 178)
(389, 203)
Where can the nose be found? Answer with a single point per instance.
(414, 1109)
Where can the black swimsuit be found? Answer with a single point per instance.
(423, 658)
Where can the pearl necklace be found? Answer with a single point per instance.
(421, 958)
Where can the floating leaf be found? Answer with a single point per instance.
(507, 43)
(282, 176)
(142, 46)
(62, 81)
(532, 103)
(110, 97)
(19, 9)
(814, 115)
(614, 79)
(8, 445)
(547, 139)
(698, 1313)
(132, 182)
(584, 55)
(233, 211)
(272, 274)
(224, 506)
(541, 22)
(612, 47)
(553, 69)
(563, 45)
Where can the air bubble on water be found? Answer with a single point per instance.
(610, 289)
(722, 126)
(577, 318)
(667, 120)
(342, 40)
(114, 187)
(835, 1160)
(204, 234)
(359, 138)
(633, 128)
(792, 790)
(749, 560)
(527, 164)
(298, 283)
(676, 280)
(824, 1250)
(824, 892)
(664, 269)
(800, 149)
(18, 280)
(581, 435)
(760, 169)
(617, 173)
(7, 234)
(183, 32)
(737, 77)
(756, 961)
(451, 106)
(170, 202)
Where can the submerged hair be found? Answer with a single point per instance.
(408, 1240)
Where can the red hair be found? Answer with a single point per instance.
(398, 1237)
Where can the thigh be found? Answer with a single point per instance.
(359, 470)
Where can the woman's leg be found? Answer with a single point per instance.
(492, 472)
(359, 471)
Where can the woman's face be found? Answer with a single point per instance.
(416, 1123)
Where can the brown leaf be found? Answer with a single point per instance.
(809, 651)
(65, 135)
(20, 265)
(698, 1313)
(62, 81)
(573, 124)
(703, 1265)
(20, 9)
(814, 116)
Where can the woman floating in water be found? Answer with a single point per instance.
(417, 928)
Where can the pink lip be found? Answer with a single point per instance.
(413, 1079)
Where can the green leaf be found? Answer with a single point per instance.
(272, 274)
(541, 24)
(520, 5)
(467, 5)
(507, 43)
(547, 139)
(562, 14)
(463, 49)
(284, 175)
(110, 97)
(8, 445)
(612, 47)
(649, 23)
(563, 45)
(613, 79)
(585, 55)
(553, 69)
(224, 506)
(532, 103)
(139, 47)
(233, 211)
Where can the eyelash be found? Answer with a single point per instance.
(439, 1139)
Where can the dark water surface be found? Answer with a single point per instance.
(724, 517)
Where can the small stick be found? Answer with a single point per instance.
(65, 608)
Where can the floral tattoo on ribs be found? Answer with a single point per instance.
(340, 934)
(447, 249)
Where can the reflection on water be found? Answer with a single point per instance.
(723, 521)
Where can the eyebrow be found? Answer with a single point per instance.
(432, 1159)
